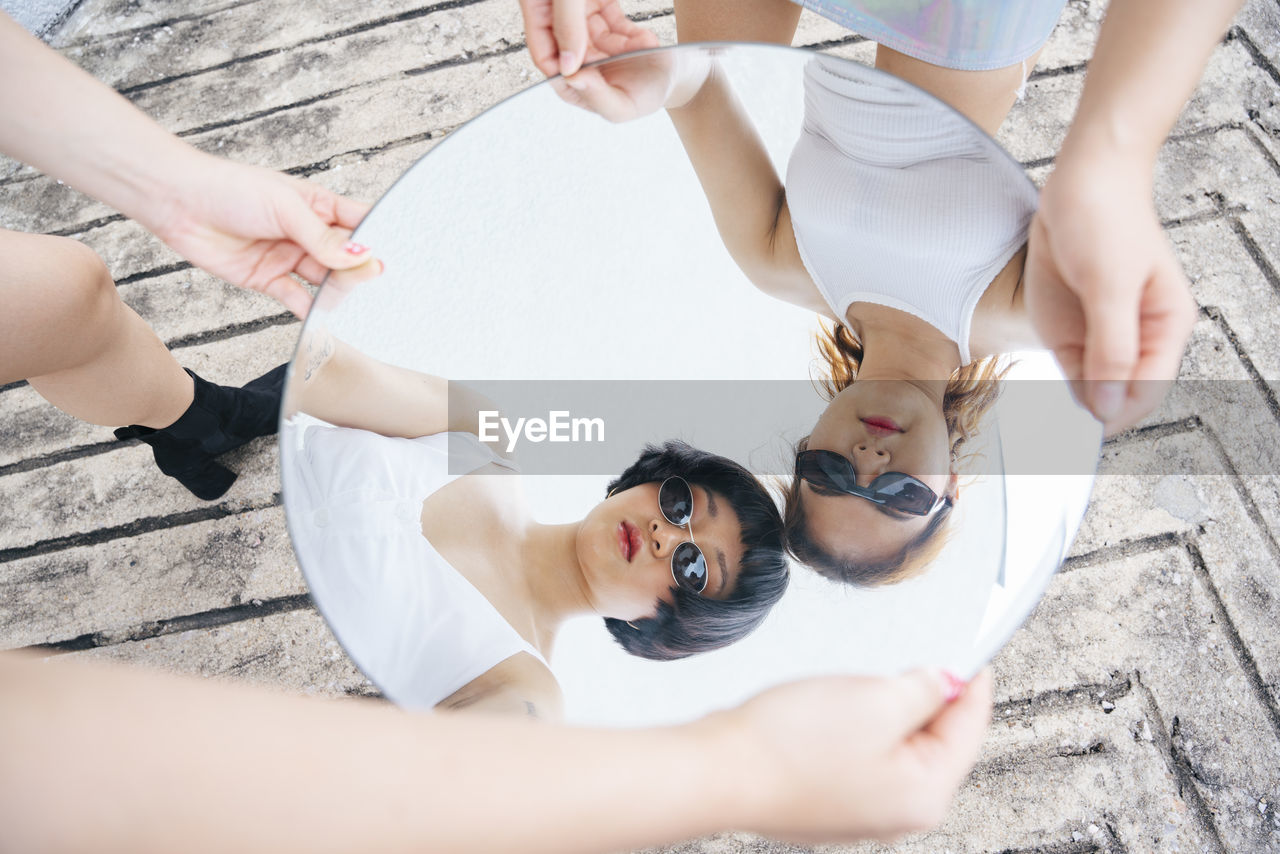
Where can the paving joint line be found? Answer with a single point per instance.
(168, 22)
(53, 458)
(231, 330)
(145, 525)
(60, 21)
(831, 44)
(1085, 693)
(1064, 847)
(154, 273)
(210, 619)
(1250, 507)
(1060, 71)
(1244, 658)
(452, 62)
(410, 15)
(81, 228)
(1178, 766)
(1154, 431)
(1268, 393)
(1256, 254)
(306, 171)
(1252, 134)
(1237, 33)
(1121, 550)
(1218, 213)
(1109, 821)
(466, 59)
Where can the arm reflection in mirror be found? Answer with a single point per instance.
(440, 582)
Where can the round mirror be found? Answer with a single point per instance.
(704, 373)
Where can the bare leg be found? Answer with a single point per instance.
(67, 332)
(983, 97)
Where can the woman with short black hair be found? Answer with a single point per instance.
(443, 586)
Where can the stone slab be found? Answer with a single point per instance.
(293, 651)
(1151, 615)
(115, 587)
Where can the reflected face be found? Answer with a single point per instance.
(625, 544)
(880, 426)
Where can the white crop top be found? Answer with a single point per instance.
(416, 627)
(896, 199)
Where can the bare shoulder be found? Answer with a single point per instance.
(519, 685)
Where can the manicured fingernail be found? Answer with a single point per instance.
(568, 62)
(954, 686)
(1108, 398)
(353, 248)
(382, 267)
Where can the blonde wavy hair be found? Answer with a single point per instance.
(970, 393)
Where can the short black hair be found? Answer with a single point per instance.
(695, 623)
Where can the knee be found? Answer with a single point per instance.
(87, 295)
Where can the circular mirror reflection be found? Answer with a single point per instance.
(547, 462)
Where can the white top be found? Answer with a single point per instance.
(416, 627)
(898, 200)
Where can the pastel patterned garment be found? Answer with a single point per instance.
(970, 35)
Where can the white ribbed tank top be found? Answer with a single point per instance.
(898, 200)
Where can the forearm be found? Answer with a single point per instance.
(337, 383)
(106, 759)
(61, 121)
(1149, 57)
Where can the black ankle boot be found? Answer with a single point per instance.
(219, 418)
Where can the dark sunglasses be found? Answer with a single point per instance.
(688, 564)
(895, 490)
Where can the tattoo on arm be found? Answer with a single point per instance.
(316, 359)
(530, 709)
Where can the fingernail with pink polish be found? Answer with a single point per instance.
(954, 686)
(353, 248)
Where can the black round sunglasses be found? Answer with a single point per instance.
(895, 490)
(688, 564)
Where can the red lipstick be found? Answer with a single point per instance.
(628, 540)
(879, 426)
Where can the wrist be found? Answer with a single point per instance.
(736, 791)
(161, 192)
(1108, 136)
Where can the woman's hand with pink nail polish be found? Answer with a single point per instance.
(844, 758)
(262, 230)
